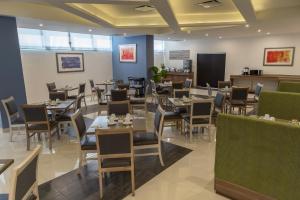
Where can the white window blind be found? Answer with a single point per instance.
(30, 38)
(81, 41)
(102, 42)
(56, 40)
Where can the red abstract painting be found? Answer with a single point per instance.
(279, 56)
(127, 53)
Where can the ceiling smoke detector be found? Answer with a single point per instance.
(144, 8)
(210, 3)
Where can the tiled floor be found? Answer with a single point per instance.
(189, 178)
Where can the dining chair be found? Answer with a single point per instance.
(257, 91)
(122, 86)
(179, 93)
(58, 95)
(219, 102)
(188, 83)
(51, 87)
(177, 85)
(93, 89)
(151, 140)
(118, 107)
(223, 84)
(238, 99)
(81, 91)
(36, 122)
(119, 95)
(24, 181)
(86, 142)
(138, 102)
(15, 120)
(200, 116)
(115, 153)
(99, 93)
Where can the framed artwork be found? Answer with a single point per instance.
(127, 52)
(279, 56)
(70, 62)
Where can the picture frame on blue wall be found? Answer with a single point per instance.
(127, 53)
(70, 62)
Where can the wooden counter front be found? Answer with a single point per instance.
(270, 81)
(179, 76)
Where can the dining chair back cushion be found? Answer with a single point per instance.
(188, 83)
(57, 95)
(181, 93)
(223, 84)
(81, 88)
(11, 106)
(118, 95)
(80, 124)
(118, 107)
(35, 113)
(239, 93)
(92, 83)
(114, 143)
(51, 86)
(201, 108)
(177, 85)
(219, 100)
(25, 176)
(258, 89)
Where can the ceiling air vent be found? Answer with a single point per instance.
(210, 3)
(144, 8)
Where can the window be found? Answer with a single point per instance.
(56, 40)
(30, 38)
(102, 42)
(81, 41)
(158, 45)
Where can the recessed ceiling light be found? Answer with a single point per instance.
(210, 3)
(124, 34)
(41, 25)
(259, 30)
(169, 38)
(220, 37)
(184, 40)
(144, 8)
(90, 30)
(268, 33)
(189, 31)
(247, 25)
(206, 34)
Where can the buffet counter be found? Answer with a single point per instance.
(179, 76)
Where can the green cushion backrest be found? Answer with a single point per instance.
(260, 155)
(289, 87)
(282, 105)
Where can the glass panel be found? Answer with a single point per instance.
(158, 45)
(56, 40)
(30, 38)
(102, 42)
(81, 41)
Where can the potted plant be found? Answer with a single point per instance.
(158, 74)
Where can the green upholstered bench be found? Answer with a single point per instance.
(289, 87)
(257, 159)
(281, 105)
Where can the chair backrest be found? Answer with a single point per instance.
(258, 89)
(223, 84)
(158, 121)
(219, 100)
(209, 90)
(78, 102)
(11, 108)
(122, 86)
(92, 84)
(202, 109)
(81, 89)
(188, 83)
(78, 124)
(177, 85)
(118, 107)
(180, 93)
(99, 94)
(51, 86)
(24, 177)
(153, 86)
(239, 93)
(119, 95)
(35, 114)
(58, 95)
(114, 143)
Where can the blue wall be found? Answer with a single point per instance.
(11, 73)
(145, 57)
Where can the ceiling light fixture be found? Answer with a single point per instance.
(169, 38)
(259, 30)
(206, 34)
(41, 25)
(124, 34)
(144, 8)
(210, 3)
(247, 25)
(220, 37)
(189, 31)
(90, 30)
(268, 33)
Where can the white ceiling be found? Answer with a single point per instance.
(174, 19)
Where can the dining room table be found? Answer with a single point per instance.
(67, 89)
(5, 164)
(138, 124)
(106, 84)
(60, 105)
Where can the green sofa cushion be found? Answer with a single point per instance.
(289, 87)
(263, 156)
(282, 105)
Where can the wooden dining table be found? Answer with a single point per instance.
(106, 84)
(139, 124)
(4, 164)
(61, 105)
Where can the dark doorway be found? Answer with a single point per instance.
(210, 69)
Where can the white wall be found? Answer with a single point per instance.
(240, 53)
(39, 68)
(158, 58)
